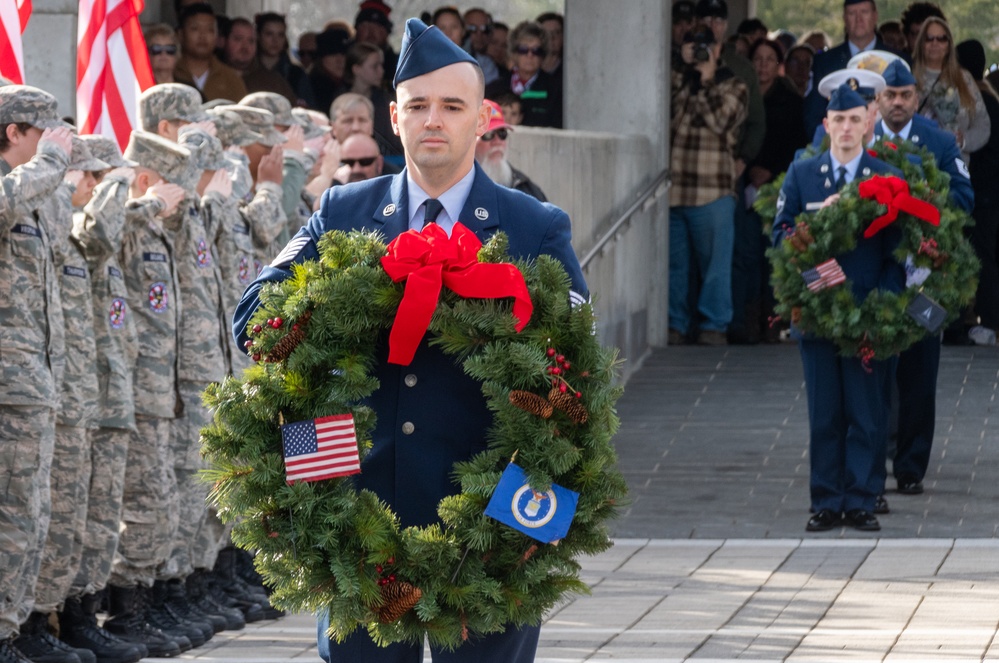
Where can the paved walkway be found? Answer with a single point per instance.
(711, 560)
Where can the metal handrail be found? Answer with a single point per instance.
(649, 192)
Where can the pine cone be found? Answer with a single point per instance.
(283, 348)
(569, 404)
(397, 599)
(532, 403)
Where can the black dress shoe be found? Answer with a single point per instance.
(862, 520)
(881, 505)
(823, 521)
(910, 487)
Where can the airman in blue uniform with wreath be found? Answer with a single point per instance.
(439, 428)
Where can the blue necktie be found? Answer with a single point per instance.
(432, 210)
(840, 178)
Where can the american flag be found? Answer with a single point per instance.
(823, 276)
(112, 68)
(320, 449)
(14, 15)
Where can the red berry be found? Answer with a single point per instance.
(270, 321)
(278, 322)
(256, 356)
(554, 382)
(556, 370)
(257, 329)
(560, 358)
(551, 352)
(382, 581)
(550, 369)
(579, 394)
(248, 344)
(563, 388)
(566, 365)
(294, 327)
(391, 560)
(391, 577)
(378, 567)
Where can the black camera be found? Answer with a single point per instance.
(703, 40)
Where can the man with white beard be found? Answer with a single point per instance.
(490, 152)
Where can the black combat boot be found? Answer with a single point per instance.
(162, 616)
(199, 592)
(183, 604)
(128, 622)
(39, 646)
(78, 628)
(226, 571)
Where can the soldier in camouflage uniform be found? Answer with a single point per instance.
(98, 230)
(267, 223)
(151, 499)
(318, 140)
(34, 154)
(297, 163)
(69, 467)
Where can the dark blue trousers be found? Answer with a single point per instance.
(848, 414)
(916, 379)
(515, 645)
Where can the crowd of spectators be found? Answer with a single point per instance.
(718, 273)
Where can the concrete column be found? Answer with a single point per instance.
(50, 51)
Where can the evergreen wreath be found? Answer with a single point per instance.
(879, 327)
(327, 546)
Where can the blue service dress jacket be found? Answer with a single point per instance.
(430, 414)
(943, 146)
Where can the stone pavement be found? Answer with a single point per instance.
(711, 561)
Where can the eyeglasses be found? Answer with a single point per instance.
(523, 50)
(499, 133)
(364, 162)
(484, 29)
(943, 39)
(161, 49)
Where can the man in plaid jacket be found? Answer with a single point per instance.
(709, 105)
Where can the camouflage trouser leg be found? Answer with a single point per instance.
(192, 488)
(27, 436)
(70, 483)
(149, 505)
(109, 450)
(213, 537)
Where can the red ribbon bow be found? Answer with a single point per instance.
(430, 259)
(893, 192)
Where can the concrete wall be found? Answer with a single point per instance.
(50, 50)
(595, 177)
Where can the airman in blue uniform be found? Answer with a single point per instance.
(848, 402)
(430, 414)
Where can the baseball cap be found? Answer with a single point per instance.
(30, 105)
(711, 9)
(496, 119)
(107, 150)
(83, 159)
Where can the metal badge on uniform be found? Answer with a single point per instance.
(159, 299)
(389, 210)
(824, 169)
(962, 167)
(481, 213)
(116, 316)
(865, 172)
(915, 139)
(828, 183)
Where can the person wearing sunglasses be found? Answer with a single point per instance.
(359, 160)
(540, 92)
(490, 154)
(161, 41)
(478, 34)
(948, 93)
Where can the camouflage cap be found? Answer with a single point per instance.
(231, 130)
(260, 121)
(206, 149)
(24, 103)
(83, 159)
(107, 150)
(304, 120)
(273, 102)
(168, 159)
(170, 101)
(215, 103)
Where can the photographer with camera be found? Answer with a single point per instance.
(709, 107)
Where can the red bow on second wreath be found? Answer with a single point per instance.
(429, 259)
(893, 192)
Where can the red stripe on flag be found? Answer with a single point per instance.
(24, 13)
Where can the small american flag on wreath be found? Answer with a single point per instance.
(322, 448)
(824, 276)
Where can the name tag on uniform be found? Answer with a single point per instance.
(811, 207)
(78, 272)
(26, 230)
(154, 257)
(242, 229)
(114, 271)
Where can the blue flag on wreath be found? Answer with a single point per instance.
(544, 516)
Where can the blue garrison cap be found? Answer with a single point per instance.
(844, 98)
(425, 49)
(897, 74)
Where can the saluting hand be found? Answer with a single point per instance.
(220, 183)
(296, 139)
(60, 136)
(270, 167)
(169, 194)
